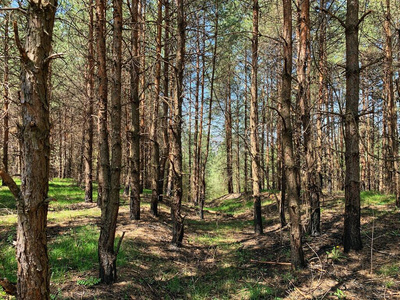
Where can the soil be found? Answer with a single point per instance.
(372, 273)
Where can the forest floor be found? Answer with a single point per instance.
(221, 258)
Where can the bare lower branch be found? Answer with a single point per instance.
(53, 56)
(363, 17)
(13, 9)
(10, 183)
(22, 51)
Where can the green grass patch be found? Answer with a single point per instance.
(66, 192)
(376, 198)
(391, 270)
(236, 205)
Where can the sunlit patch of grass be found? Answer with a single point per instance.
(7, 200)
(76, 250)
(8, 262)
(68, 215)
(237, 205)
(65, 192)
(376, 198)
(391, 270)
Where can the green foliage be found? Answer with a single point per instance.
(339, 294)
(259, 291)
(335, 254)
(391, 270)
(90, 281)
(376, 198)
(66, 192)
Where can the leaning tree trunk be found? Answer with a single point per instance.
(291, 171)
(352, 234)
(176, 130)
(32, 205)
(254, 143)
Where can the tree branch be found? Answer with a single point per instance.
(24, 55)
(363, 17)
(53, 56)
(333, 16)
(11, 184)
(13, 8)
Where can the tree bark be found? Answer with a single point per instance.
(291, 172)
(228, 135)
(110, 200)
(135, 123)
(352, 234)
(303, 99)
(32, 206)
(155, 150)
(6, 96)
(176, 130)
(90, 110)
(254, 143)
(202, 180)
(165, 106)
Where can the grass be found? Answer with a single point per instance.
(236, 205)
(376, 198)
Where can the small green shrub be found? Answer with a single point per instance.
(90, 281)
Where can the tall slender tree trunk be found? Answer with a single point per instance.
(228, 135)
(110, 198)
(303, 98)
(213, 68)
(176, 129)
(196, 153)
(254, 143)
(155, 150)
(322, 93)
(165, 105)
(6, 96)
(32, 204)
(238, 119)
(391, 161)
(246, 108)
(352, 234)
(102, 86)
(135, 111)
(90, 110)
(291, 172)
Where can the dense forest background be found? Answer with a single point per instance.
(193, 100)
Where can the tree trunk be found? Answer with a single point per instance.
(303, 98)
(176, 130)
(254, 143)
(297, 256)
(32, 206)
(165, 106)
(90, 110)
(352, 234)
(197, 128)
(135, 103)
(391, 161)
(110, 198)
(6, 96)
(202, 180)
(155, 150)
(228, 135)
